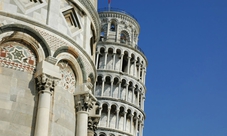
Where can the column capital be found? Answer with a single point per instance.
(103, 79)
(84, 99)
(46, 82)
(131, 115)
(93, 122)
(125, 112)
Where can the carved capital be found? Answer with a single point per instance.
(93, 122)
(46, 82)
(83, 102)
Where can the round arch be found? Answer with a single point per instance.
(28, 30)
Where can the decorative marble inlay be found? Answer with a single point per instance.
(17, 56)
(68, 80)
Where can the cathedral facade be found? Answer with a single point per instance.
(67, 70)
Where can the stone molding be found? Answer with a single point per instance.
(122, 47)
(120, 15)
(121, 103)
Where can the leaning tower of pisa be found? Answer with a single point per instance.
(121, 68)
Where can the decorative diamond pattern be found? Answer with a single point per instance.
(17, 56)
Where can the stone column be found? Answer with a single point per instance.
(45, 86)
(142, 102)
(129, 62)
(119, 89)
(108, 117)
(117, 33)
(140, 129)
(81, 127)
(144, 76)
(84, 101)
(139, 71)
(97, 59)
(134, 68)
(114, 56)
(103, 85)
(117, 119)
(131, 123)
(133, 94)
(124, 123)
(126, 92)
(111, 88)
(138, 98)
(136, 127)
(105, 60)
(121, 62)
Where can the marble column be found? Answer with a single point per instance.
(138, 76)
(117, 119)
(142, 102)
(136, 127)
(97, 60)
(103, 85)
(84, 102)
(129, 63)
(133, 94)
(114, 56)
(45, 86)
(119, 89)
(111, 87)
(105, 59)
(144, 76)
(108, 117)
(140, 127)
(121, 62)
(131, 123)
(126, 92)
(138, 99)
(124, 123)
(134, 68)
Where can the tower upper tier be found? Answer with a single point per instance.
(119, 26)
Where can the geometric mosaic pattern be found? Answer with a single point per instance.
(68, 79)
(17, 56)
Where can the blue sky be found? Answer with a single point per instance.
(185, 42)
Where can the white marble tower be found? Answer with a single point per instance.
(121, 67)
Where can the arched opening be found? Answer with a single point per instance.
(113, 116)
(124, 37)
(103, 120)
(113, 26)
